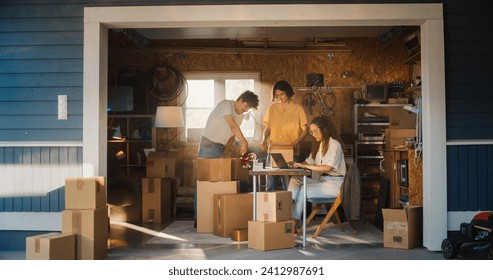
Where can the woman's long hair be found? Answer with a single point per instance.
(328, 130)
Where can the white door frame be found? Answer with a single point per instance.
(97, 21)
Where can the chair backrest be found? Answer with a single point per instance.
(351, 193)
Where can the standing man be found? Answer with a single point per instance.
(223, 125)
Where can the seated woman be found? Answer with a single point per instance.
(326, 161)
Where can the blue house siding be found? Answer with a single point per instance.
(35, 170)
(470, 186)
(41, 49)
(468, 70)
(54, 201)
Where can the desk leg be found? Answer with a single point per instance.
(304, 211)
(255, 197)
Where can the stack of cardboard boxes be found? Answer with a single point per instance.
(85, 225)
(220, 176)
(86, 216)
(274, 227)
(157, 188)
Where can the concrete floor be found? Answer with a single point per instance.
(131, 244)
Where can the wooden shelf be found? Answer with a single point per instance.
(414, 58)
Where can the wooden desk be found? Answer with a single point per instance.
(277, 172)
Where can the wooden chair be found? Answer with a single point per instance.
(331, 204)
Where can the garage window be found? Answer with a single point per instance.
(205, 90)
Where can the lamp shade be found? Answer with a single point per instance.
(169, 116)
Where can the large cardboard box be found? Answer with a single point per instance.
(91, 232)
(156, 200)
(160, 165)
(270, 235)
(214, 169)
(205, 202)
(232, 211)
(403, 228)
(51, 246)
(285, 149)
(274, 206)
(85, 193)
(394, 137)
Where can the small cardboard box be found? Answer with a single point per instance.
(239, 235)
(160, 165)
(394, 137)
(205, 202)
(232, 211)
(238, 172)
(403, 228)
(156, 200)
(270, 235)
(91, 232)
(214, 169)
(85, 193)
(274, 206)
(51, 246)
(285, 149)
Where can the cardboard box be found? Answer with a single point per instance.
(239, 235)
(85, 193)
(238, 172)
(274, 206)
(157, 195)
(205, 202)
(394, 137)
(232, 211)
(214, 169)
(286, 151)
(51, 246)
(270, 235)
(160, 165)
(91, 232)
(403, 228)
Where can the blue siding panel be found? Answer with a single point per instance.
(39, 107)
(36, 203)
(40, 94)
(45, 203)
(41, 24)
(453, 177)
(54, 201)
(470, 185)
(472, 175)
(8, 204)
(17, 204)
(70, 65)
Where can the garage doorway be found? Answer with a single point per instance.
(97, 21)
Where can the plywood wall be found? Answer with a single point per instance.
(368, 59)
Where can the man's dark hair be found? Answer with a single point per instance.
(250, 98)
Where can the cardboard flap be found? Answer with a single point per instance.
(396, 215)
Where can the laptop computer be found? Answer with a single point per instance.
(280, 161)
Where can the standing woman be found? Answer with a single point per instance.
(285, 124)
(326, 161)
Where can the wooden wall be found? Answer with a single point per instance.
(368, 58)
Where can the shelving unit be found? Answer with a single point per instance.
(136, 133)
(370, 152)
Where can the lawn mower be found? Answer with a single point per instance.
(475, 240)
